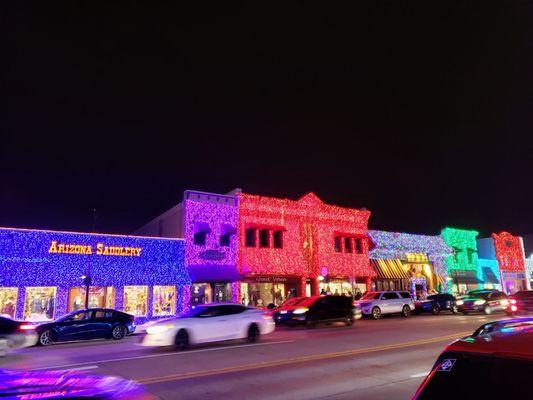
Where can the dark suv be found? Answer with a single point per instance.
(436, 303)
(311, 311)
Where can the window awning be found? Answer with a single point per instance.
(489, 276)
(389, 269)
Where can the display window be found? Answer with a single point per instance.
(263, 294)
(214, 292)
(337, 288)
(8, 301)
(99, 297)
(164, 300)
(136, 300)
(40, 303)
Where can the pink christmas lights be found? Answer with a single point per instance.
(509, 252)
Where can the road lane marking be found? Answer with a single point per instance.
(82, 368)
(296, 360)
(174, 353)
(420, 375)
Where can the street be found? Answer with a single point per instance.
(383, 359)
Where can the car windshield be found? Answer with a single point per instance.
(479, 295)
(371, 295)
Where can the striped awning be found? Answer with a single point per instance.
(389, 268)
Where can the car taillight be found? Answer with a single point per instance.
(514, 308)
(26, 327)
(512, 301)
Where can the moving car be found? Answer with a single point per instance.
(485, 301)
(311, 311)
(377, 304)
(95, 323)
(521, 302)
(26, 385)
(210, 323)
(495, 364)
(502, 326)
(15, 335)
(436, 303)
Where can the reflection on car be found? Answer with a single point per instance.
(16, 335)
(95, 323)
(210, 323)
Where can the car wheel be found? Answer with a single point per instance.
(406, 311)
(465, 312)
(118, 332)
(311, 323)
(348, 321)
(182, 340)
(435, 310)
(376, 313)
(487, 310)
(455, 310)
(45, 338)
(253, 333)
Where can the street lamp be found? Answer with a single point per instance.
(86, 280)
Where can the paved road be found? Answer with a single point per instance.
(385, 359)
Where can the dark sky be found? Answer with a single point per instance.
(422, 113)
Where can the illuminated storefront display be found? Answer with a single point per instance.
(290, 248)
(511, 261)
(462, 266)
(409, 262)
(136, 274)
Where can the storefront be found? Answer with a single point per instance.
(462, 265)
(509, 251)
(260, 291)
(42, 274)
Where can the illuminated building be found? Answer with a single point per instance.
(409, 262)
(41, 274)
(462, 266)
(293, 248)
(509, 251)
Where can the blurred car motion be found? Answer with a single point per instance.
(210, 323)
(96, 323)
(25, 385)
(484, 301)
(492, 363)
(521, 302)
(16, 335)
(436, 303)
(312, 311)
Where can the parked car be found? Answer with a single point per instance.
(376, 304)
(210, 323)
(485, 301)
(495, 364)
(25, 385)
(436, 303)
(521, 302)
(311, 311)
(15, 335)
(95, 323)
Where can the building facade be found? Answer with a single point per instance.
(509, 251)
(462, 266)
(41, 274)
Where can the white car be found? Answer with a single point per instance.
(391, 302)
(210, 323)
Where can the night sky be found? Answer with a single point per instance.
(422, 114)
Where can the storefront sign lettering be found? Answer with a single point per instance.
(101, 249)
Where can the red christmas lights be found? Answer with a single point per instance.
(309, 229)
(509, 252)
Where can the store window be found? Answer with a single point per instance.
(226, 232)
(251, 237)
(348, 245)
(201, 230)
(278, 239)
(263, 294)
(40, 303)
(136, 300)
(164, 300)
(99, 296)
(8, 301)
(335, 288)
(264, 238)
(338, 247)
(203, 293)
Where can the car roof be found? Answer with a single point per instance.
(513, 342)
(219, 304)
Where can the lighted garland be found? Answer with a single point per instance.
(464, 243)
(509, 252)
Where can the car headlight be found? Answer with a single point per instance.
(479, 302)
(156, 329)
(459, 302)
(504, 302)
(283, 312)
(300, 310)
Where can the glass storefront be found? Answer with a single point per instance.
(40, 303)
(99, 296)
(136, 300)
(335, 287)
(8, 301)
(164, 300)
(261, 294)
(217, 292)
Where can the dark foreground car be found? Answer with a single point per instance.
(491, 365)
(15, 335)
(311, 311)
(25, 385)
(437, 303)
(483, 301)
(95, 323)
(521, 302)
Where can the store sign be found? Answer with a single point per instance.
(100, 250)
(212, 255)
(270, 279)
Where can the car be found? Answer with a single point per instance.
(436, 303)
(210, 323)
(25, 385)
(495, 364)
(503, 326)
(15, 335)
(485, 301)
(521, 302)
(94, 323)
(376, 304)
(311, 311)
